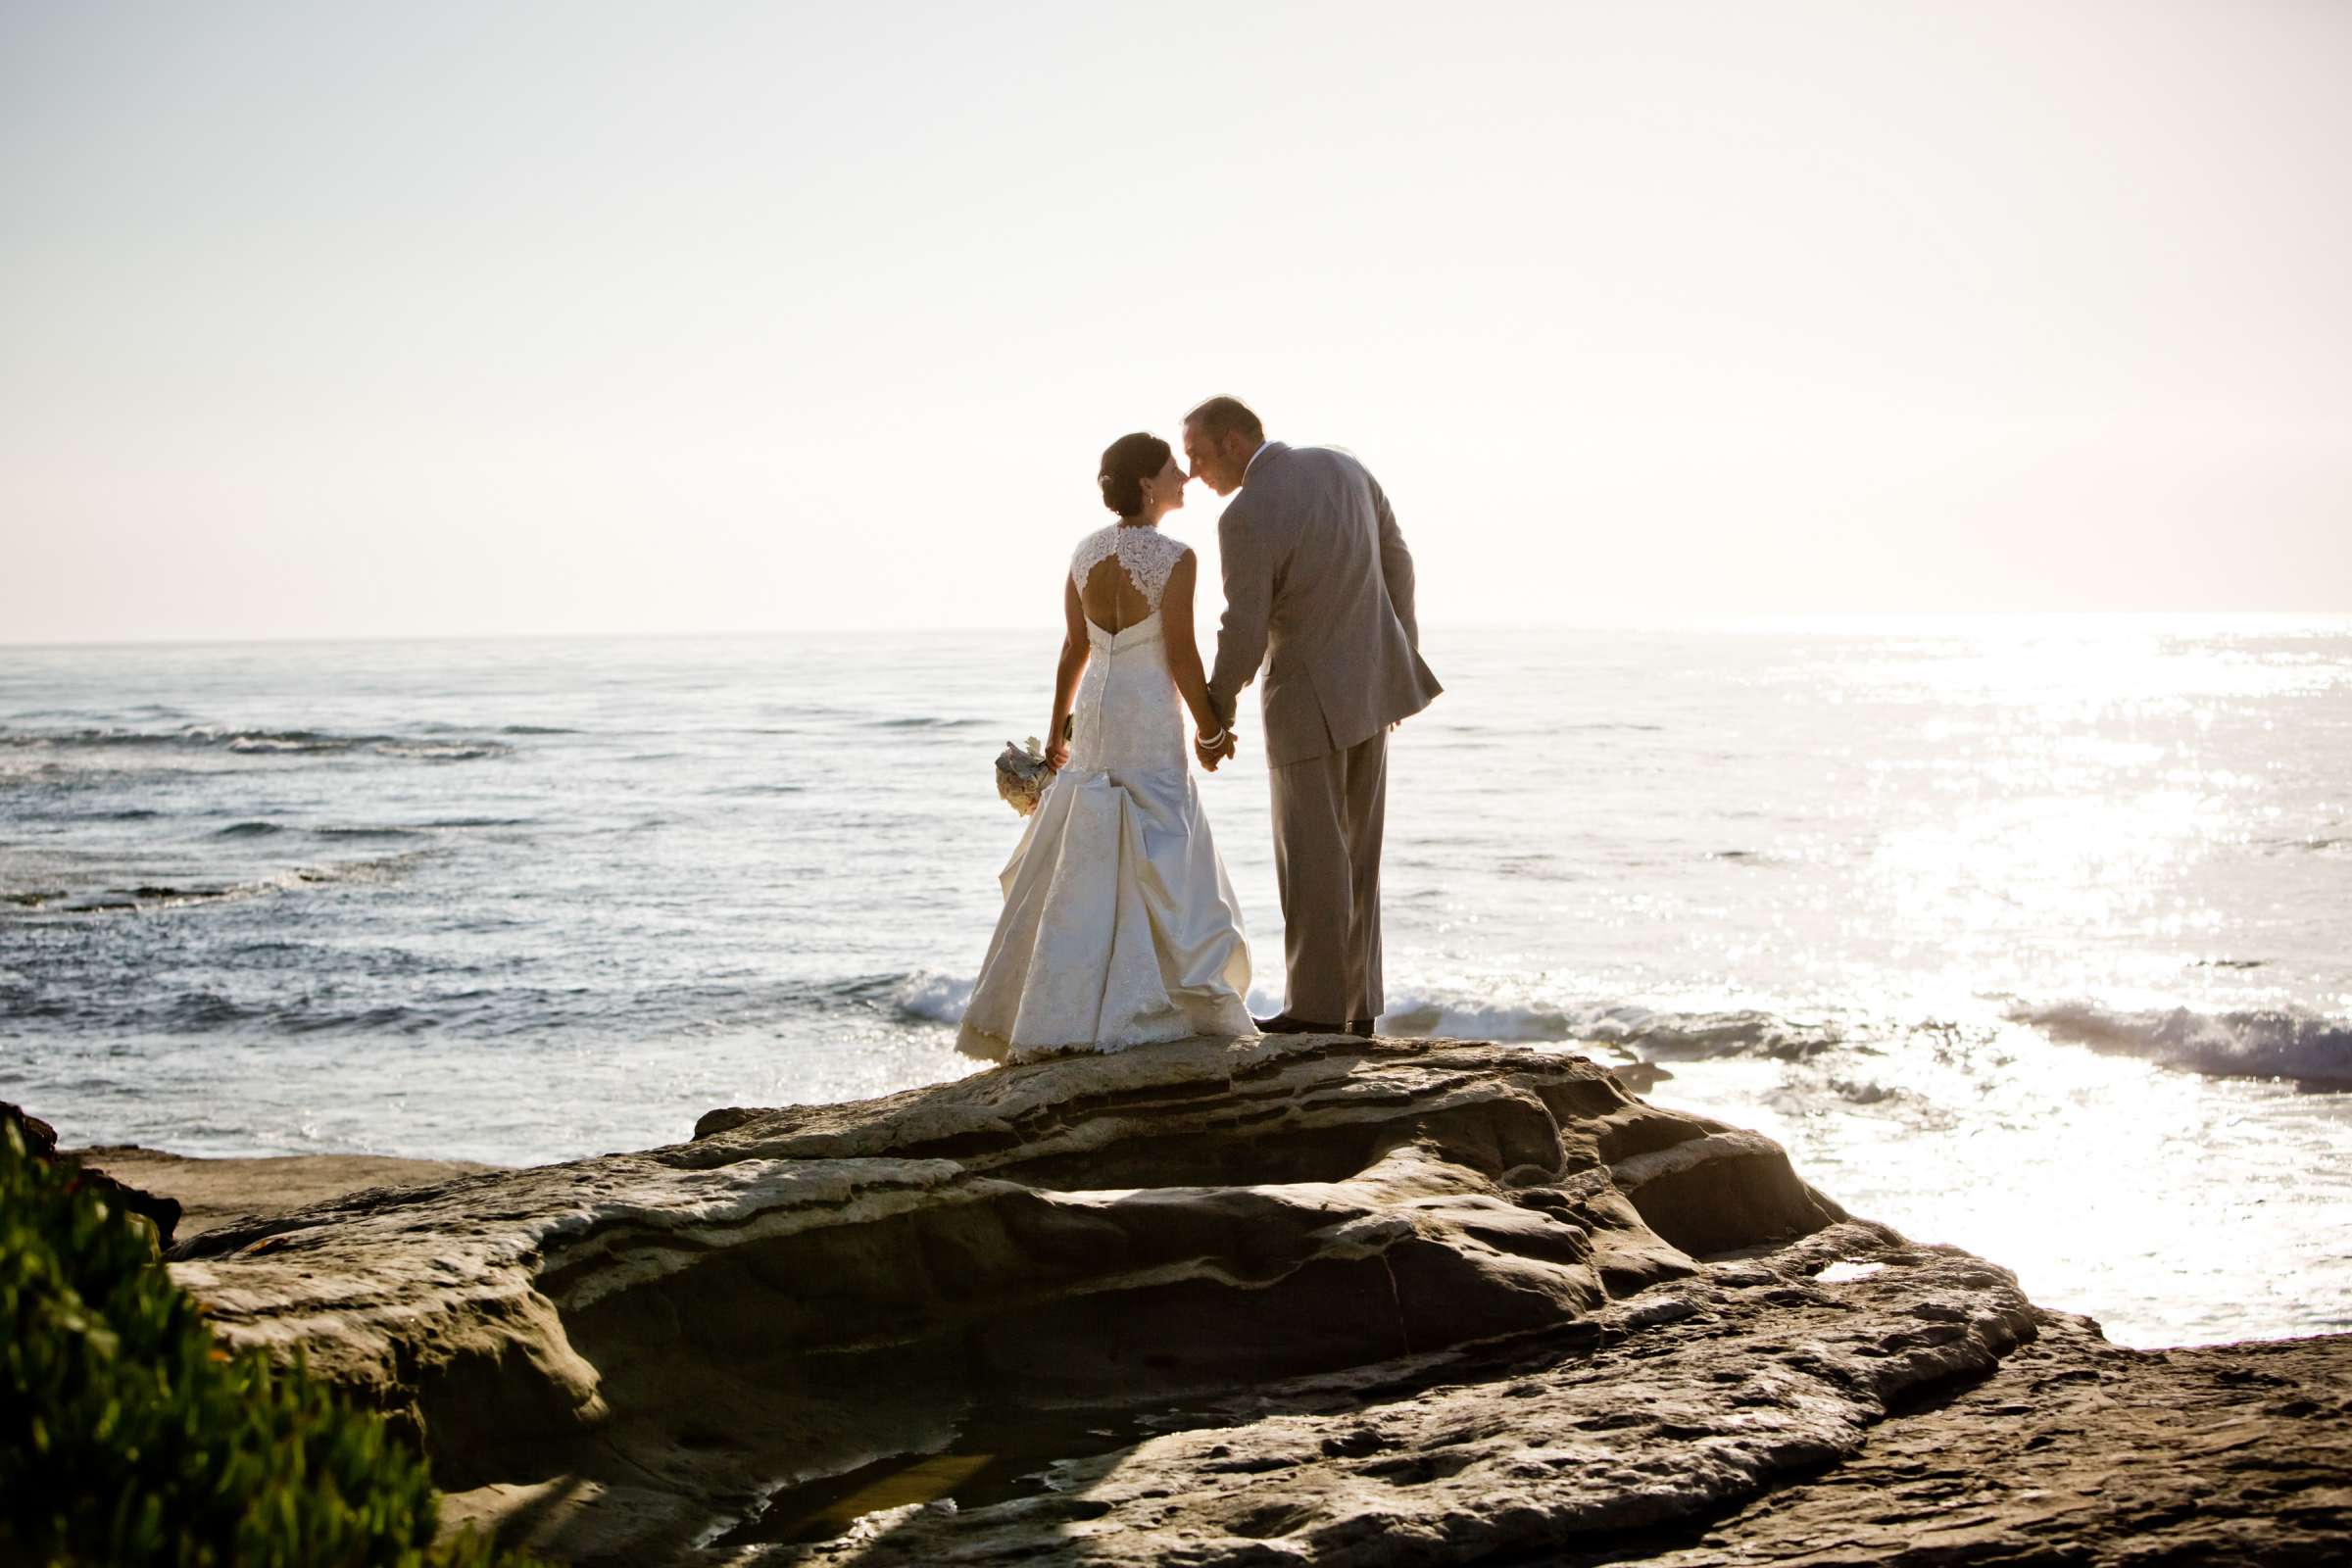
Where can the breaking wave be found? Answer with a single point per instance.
(2279, 1043)
(2285, 1043)
(931, 996)
(2263, 1042)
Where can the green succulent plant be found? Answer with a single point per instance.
(129, 1435)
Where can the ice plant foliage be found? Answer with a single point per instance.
(129, 1435)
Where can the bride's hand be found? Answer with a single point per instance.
(1058, 756)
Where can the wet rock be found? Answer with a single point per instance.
(219, 1191)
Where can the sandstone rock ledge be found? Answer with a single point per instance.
(1290, 1301)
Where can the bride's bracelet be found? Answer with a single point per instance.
(1204, 742)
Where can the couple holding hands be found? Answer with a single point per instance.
(1120, 927)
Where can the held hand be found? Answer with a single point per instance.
(1212, 749)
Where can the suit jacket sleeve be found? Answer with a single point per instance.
(1395, 565)
(1249, 610)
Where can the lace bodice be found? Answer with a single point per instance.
(1125, 710)
(1148, 555)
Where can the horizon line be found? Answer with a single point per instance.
(1749, 621)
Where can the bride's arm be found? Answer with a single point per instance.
(1184, 654)
(1074, 649)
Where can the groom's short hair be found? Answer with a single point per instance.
(1227, 416)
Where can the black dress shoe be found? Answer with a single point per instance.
(1361, 1028)
(1282, 1023)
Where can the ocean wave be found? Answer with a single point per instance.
(208, 1011)
(201, 1009)
(248, 830)
(255, 742)
(1653, 1034)
(442, 750)
(932, 997)
(1465, 1019)
(152, 896)
(2332, 844)
(381, 869)
(2285, 1043)
(929, 995)
(2260, 1043)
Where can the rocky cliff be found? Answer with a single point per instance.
(1292, 1300)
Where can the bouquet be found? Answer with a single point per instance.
(1022, 775)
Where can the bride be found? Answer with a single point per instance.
(1119, 924)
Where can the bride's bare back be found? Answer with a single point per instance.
(1110, 598)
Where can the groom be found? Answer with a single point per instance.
(1319, 588)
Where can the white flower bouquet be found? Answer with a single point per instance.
(1022, 775)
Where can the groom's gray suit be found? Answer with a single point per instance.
(1319, 588)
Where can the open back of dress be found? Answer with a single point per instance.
(1110, 599)
(1122, 572)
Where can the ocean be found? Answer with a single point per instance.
(2030, 935)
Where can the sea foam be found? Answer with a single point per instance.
(933, 997)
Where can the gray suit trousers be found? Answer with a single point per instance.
(1328, 816)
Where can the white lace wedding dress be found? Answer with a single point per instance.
(1119, 925)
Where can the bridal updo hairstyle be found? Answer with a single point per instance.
(1126, 464)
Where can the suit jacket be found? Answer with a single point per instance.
(1319, 589)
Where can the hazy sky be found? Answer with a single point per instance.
(426, 319)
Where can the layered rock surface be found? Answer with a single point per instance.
(1290, 1301)
(211, 1192)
